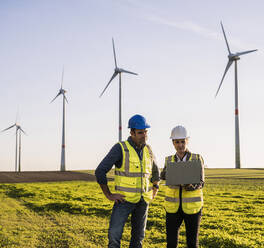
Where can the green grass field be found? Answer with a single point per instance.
(76, 214)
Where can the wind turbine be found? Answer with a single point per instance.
(118, 71)
(62, 92)
(18, 145)
(234, 57)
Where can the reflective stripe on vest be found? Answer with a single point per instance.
(133, 190)
(191, 199)
(170, 159)
(131, 174)
(196, 157)
(171, 199)
(126, 158)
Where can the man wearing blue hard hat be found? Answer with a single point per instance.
(136, 183)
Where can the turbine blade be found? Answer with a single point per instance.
(22, 131)
(114, 75)
(225, 38)
(242, 53)
(55, 97)
(65, 98)
(8, 128)
(114, 52)
(62, 76)
(226, 69)
(122, 70)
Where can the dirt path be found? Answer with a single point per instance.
(44, 176)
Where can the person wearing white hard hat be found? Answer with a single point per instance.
(183, 202)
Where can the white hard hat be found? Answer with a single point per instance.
(179, 132)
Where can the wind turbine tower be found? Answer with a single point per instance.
(118, 71)
(18, 145)
(234, 57)
(62, 92)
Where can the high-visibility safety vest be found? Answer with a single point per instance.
(133, 178)
(192, 201)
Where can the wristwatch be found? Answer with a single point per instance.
(156, 186)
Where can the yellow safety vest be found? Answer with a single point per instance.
(192, 201)
(133, 178)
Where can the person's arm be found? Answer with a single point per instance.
(112, 197)
(155, 173)
(155, 178)
(114, 157)
(163, 173)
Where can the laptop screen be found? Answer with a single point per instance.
(183, 172)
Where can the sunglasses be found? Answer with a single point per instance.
(179, 141)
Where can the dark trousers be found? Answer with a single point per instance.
(192, 225)
(120, 213)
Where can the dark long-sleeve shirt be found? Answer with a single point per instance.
(115, 157)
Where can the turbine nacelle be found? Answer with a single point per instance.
(118, 70)
(233, 56)
(19, 128)
(62, 91)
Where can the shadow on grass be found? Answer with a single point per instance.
(14, 192)
(69, 208)
(219, 242)
(57, 207)
(100, 212)
(74, 206)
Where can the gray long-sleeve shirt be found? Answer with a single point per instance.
(115, 157)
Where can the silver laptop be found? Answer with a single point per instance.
(189, 172)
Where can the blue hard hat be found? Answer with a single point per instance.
(138, 122)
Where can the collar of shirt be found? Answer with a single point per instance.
(138, 150)
(185, 158)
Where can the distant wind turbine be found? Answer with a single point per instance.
(116, 72)
(18, 145)
(234, 57)
(62, 92)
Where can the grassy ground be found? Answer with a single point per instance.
(76, 214)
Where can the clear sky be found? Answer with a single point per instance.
(176, 47)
